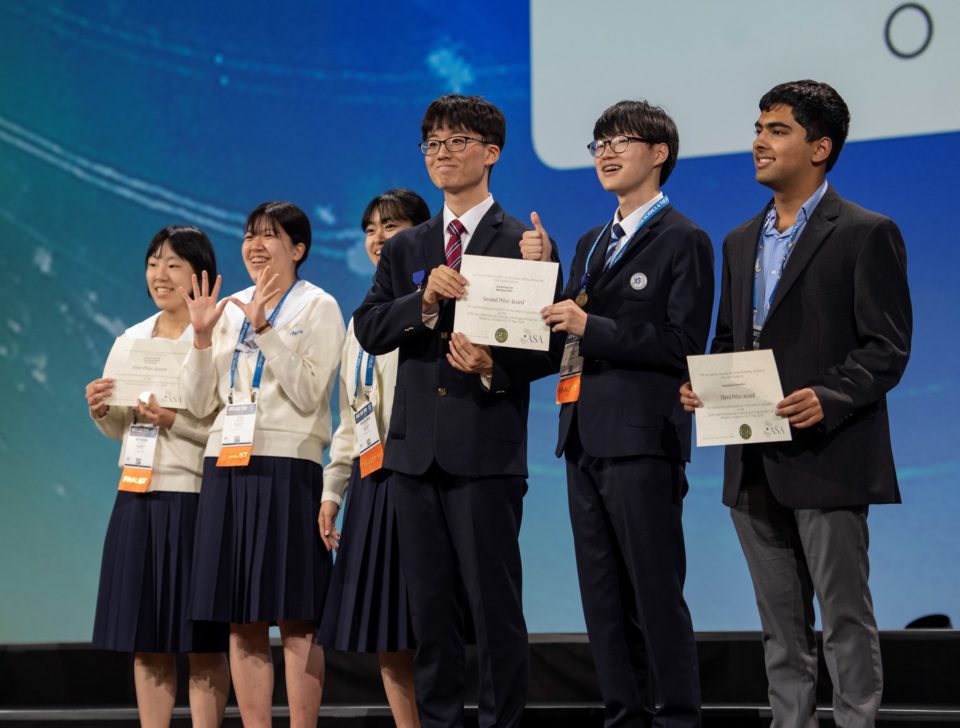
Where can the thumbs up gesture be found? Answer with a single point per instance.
(535, 244)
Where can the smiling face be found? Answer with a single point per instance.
(782, 156)
(633, 174)
(462, 173)
(379, 230)
(166, 273)
(266, 244)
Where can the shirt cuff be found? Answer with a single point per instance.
(431, 316)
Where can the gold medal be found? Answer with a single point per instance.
(581, 299)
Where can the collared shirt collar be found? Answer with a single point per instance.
(631, 220)
(470, 219)
(803, 214)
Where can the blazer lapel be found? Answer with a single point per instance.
(594, 266)
(433, 243)
(818, 229)
(638, 242)
(743, 261)
(482, 237)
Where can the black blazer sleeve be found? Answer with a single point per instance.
(383, 322)
(883, 323)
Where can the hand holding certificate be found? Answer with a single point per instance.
(739, 392)
(502, 303)
(146, 365)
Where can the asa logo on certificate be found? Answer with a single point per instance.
(502, 303)
(739, 392)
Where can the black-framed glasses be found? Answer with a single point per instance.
(618, 145)
(458, 143)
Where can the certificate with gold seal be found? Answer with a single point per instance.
(502, 303)
(739, 392)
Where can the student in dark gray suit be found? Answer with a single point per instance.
(823, 283)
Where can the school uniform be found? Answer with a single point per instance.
(142, 601)
(366, 608)
(259, 557)
(646, 283)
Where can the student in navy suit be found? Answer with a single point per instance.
(822, 283)
(638, 301)
(457, 438)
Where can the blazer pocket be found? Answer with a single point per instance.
(398, 418)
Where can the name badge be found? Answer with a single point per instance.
(236, 445)
(571, 367)
(368, 440)
(138, 455)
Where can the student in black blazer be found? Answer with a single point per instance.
(839, 323)
(639, 300)
(457, 439)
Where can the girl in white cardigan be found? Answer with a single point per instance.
(142, 605)
(259, 559)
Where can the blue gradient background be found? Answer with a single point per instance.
(117, 119)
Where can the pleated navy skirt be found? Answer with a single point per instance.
(366, 609)
(143, 600)
(259, 557)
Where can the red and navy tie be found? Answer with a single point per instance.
(454, 249)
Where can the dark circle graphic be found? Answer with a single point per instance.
(926, 42)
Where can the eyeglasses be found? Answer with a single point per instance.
(431, 147)
(618, 145)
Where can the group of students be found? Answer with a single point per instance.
(433, 430)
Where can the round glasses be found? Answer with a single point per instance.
(618, 145)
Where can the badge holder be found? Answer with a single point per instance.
(368, 439)
(138, 457)
(236, 445)
(367, 429)
(571, 367)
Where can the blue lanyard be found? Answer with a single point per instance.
(758, 268)
(244, 330)
(368, 377)
(660, 204)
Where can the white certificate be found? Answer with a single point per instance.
(146, 365)
(503, 300)
(739, 393)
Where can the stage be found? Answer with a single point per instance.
(78, 686)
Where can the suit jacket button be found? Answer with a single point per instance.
(442, 391)
(444, 335)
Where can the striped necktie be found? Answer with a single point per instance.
(454, 249)
(616, 232)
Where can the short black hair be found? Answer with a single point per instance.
(817, 107)
(397, 204)
(285, 215)
(643, 120)
(188, 242)
(470, 113)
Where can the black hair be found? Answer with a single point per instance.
(287, 216)
(470, 113)
(189, 243)
(397, 204)
(638, 118)
(817, 107)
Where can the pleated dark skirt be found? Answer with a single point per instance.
(366, 609)
(143, 600)
(259, 557)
